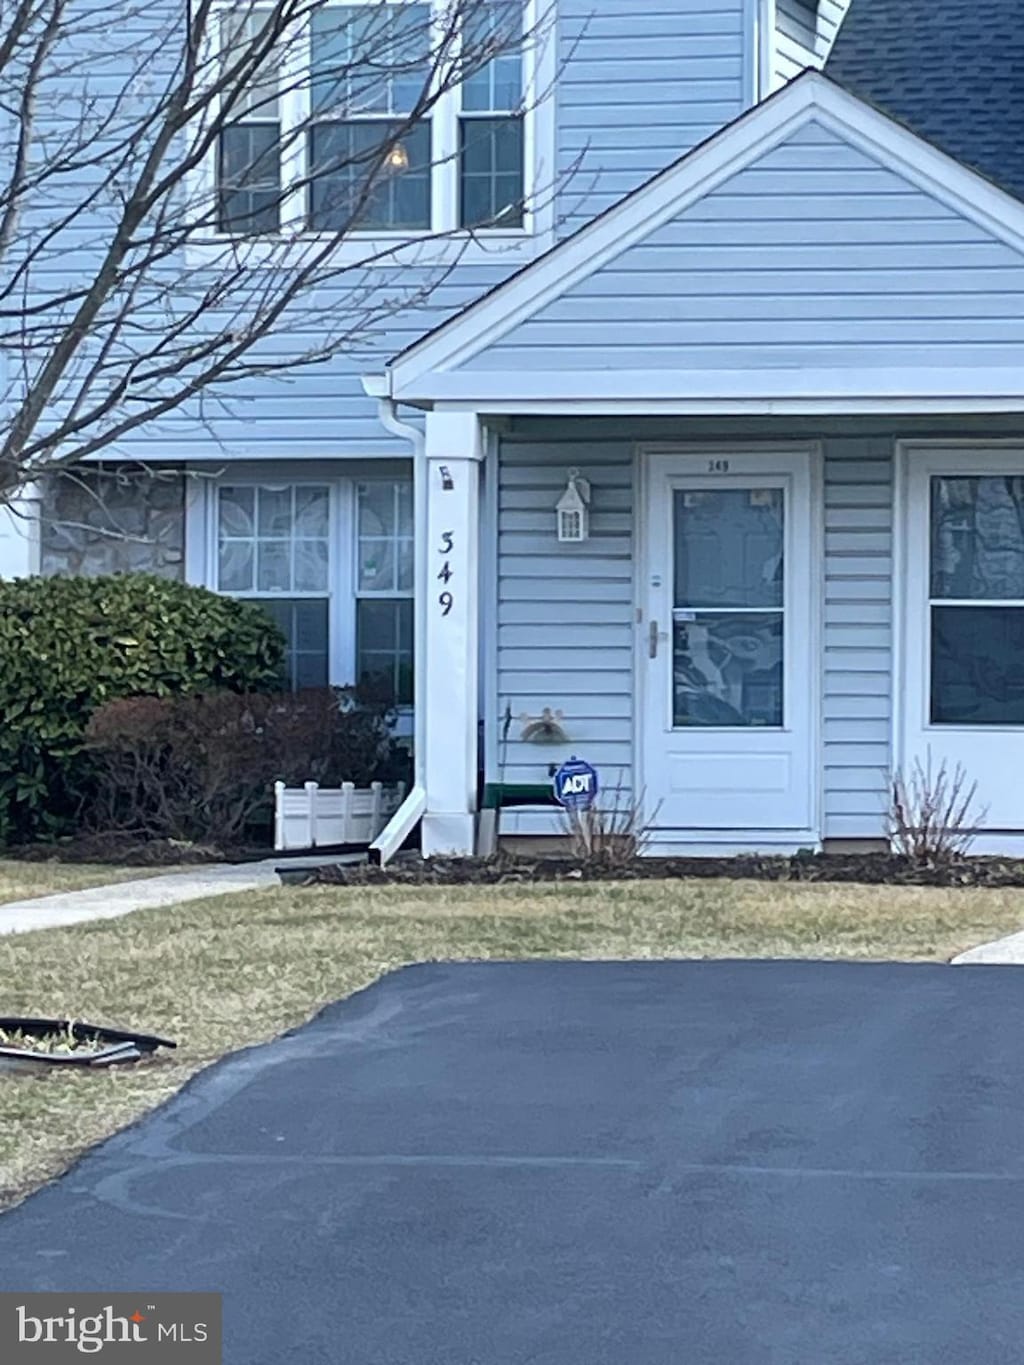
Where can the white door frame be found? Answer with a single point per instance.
(911, 669)
(744, 840)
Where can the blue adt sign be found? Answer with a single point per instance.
(576, 785)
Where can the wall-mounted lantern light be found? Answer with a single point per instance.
(574, 510)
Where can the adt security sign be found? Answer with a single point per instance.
(576, 785)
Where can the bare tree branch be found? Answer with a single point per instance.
(175, 203)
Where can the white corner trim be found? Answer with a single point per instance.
(898, 585)
(20, 533)
(767, 20)
(198, 518)
(812, 97)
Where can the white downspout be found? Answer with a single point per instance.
(410, 812)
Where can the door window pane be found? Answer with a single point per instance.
(727, 669)
(728, 625)
(729, 547)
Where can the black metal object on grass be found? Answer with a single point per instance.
(122, 1045)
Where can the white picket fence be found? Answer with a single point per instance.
(313, 816)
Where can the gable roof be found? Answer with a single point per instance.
(949, 69)
(425, 371)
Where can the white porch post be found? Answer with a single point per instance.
(448, 593)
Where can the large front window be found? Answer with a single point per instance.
(332, 563)
(977, 600)
(273, 545)
(378, 116)
(384, 589)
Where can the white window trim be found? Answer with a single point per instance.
(444, 242)
(990, 753)
(343, 594)
(919, 462)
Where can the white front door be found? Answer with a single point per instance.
(728, 652)
(962, 690)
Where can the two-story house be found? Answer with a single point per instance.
(768, 345)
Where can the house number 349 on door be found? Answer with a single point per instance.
(445, 599)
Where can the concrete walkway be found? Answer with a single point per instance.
(148, 893)
(1006, 952)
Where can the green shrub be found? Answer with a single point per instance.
(202, 768)
(68, 645)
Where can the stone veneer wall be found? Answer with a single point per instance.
(114, 519)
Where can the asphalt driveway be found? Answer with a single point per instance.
(585, 1164)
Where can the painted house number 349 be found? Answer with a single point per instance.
(445, 599)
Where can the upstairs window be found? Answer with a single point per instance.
(249, 148)
(491, 153)
(373, 117)
(367, 164)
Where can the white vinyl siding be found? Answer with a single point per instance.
(647, 81)
(564, 623)
(858, 635)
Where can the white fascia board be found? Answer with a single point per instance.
(774, 389)
(812, 97)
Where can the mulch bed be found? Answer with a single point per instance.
(128, 850)
(874, 869)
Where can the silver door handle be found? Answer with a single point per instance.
(652, 640)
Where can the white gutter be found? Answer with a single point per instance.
(410, 812)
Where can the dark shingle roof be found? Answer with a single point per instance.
(952, 70)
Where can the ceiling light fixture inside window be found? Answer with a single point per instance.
(397, 158)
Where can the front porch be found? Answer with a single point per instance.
(790, 368)
(791, 557)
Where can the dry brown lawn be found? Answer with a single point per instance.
(220, 974)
